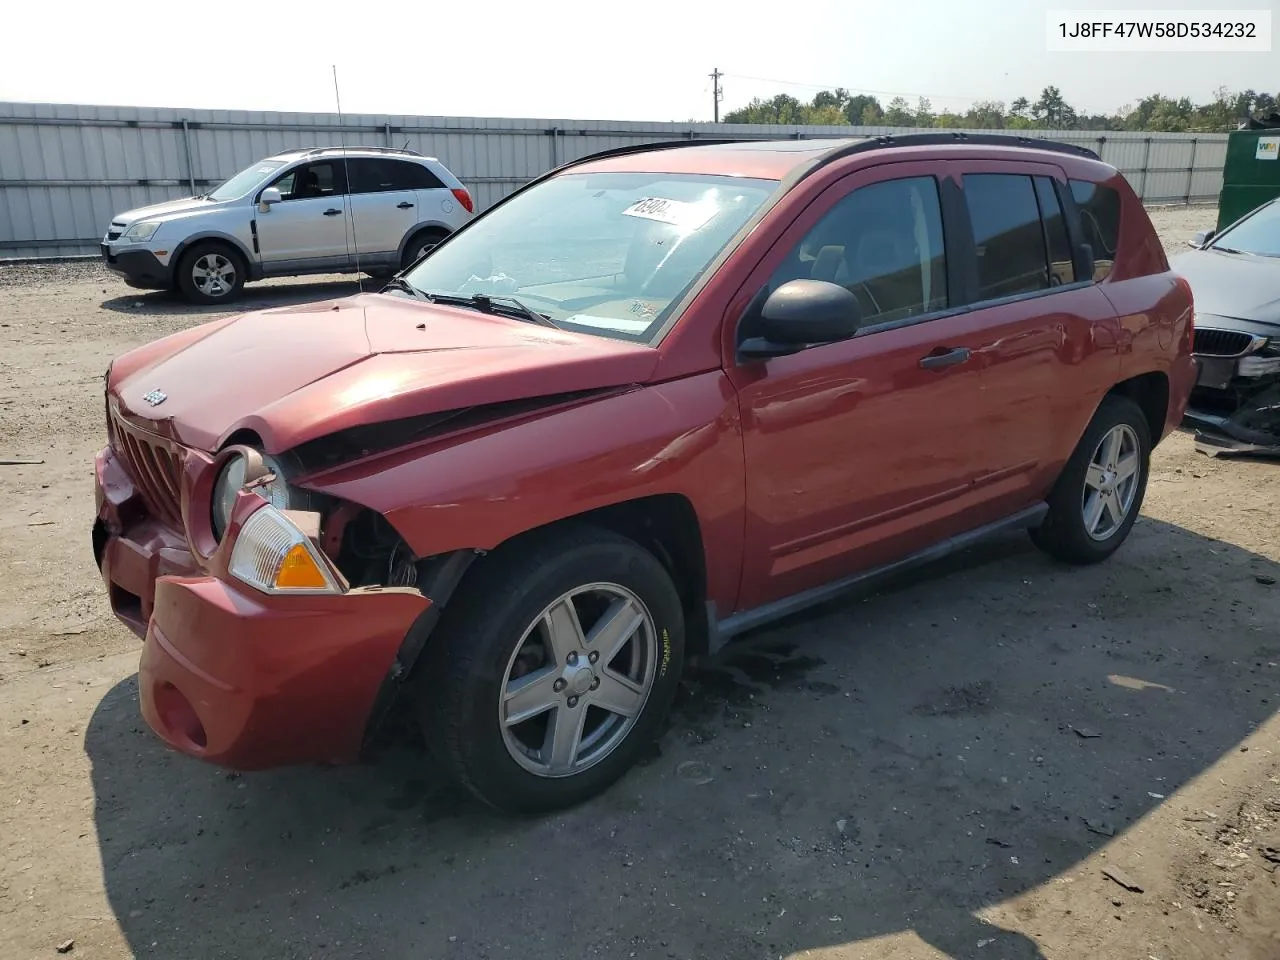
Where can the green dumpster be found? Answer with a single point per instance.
(1251, 175)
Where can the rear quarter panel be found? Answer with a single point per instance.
(1153, 306)
(681, 437)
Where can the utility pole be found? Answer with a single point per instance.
(716, 95)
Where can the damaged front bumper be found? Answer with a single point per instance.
(1235, 405)
(230, 674)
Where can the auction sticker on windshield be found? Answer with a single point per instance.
(676, 213)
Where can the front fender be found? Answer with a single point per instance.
(250, 259)
(479, 490)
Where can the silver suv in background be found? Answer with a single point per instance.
(322, 210)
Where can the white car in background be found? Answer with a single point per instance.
(323, 210)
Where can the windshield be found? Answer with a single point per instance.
(1259, 235)
(604, 253)
(244, 181)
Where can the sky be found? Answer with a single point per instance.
(569, 59)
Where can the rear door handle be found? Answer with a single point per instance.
(403, 205)
(936, 361)
(332, 212)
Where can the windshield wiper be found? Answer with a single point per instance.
(487, 303)
(400, 283)
(1230, 250)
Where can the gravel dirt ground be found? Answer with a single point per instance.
(995, 758)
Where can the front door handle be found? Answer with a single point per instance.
(947, 358)
(332, 212)
(403, 205)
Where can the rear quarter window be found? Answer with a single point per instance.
(1099, 207)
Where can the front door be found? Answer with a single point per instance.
(307, 230)
(863, 451)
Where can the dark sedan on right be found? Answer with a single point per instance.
(1235, 281)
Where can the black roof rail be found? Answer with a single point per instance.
(658, 145)
(885, 141)
(858, 145)
(313, 151)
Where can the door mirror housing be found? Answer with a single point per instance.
(270, 196)
(1202, 238)
(798, 314)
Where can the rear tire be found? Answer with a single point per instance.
(211, 273)
(420, 244)
(1098, 497)
(524, 653)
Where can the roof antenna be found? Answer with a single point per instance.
(346, 179)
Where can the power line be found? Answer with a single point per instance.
(832, 86)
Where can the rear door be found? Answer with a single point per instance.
(1051, 335)
(863, 451)
(384, 205)
(307, 229)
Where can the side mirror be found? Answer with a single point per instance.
(800, 313)
(1202, 238)
(270, 196)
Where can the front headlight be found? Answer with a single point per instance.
(232, 478)
(274, 556)
(141, 230)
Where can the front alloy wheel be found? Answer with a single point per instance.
(553, 666)
(214, 275)
(578, 680)
(210, 272)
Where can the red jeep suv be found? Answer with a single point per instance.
(654, 398)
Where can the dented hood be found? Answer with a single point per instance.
(296, 373)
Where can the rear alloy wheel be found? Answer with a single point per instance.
(552, 668)
(210, 273)
(1099, 495)
(420, 245)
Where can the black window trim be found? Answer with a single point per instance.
(946, 186)
(294, 169)
(421, 172)
(971, 251)
(1075, 231)
(960, 250)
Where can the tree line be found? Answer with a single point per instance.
(1156, 113)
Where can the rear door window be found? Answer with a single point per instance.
(1099, 207)
(1008, 234)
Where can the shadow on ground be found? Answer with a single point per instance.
(892, 763)
(254, 297)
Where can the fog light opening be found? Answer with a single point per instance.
(179, 716)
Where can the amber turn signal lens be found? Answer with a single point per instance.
(299, 571)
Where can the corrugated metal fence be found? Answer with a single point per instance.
(65, 170)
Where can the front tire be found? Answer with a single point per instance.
(211, 273)
(1099, 494)
(552, 668)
